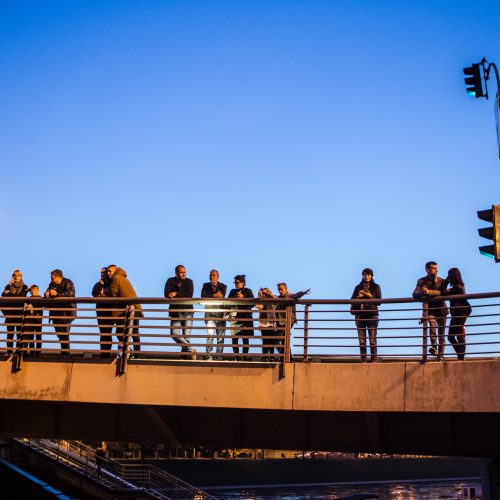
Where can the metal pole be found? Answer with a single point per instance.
(127, 334)
(306, 332)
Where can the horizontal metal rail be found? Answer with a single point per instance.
(242, 330)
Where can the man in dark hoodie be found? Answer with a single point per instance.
(120, 286)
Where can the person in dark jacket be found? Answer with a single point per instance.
(103, 313)
(120, 286)
(434, 311)
(61, 315)
(14, 314)
(33, 335)
(216, 325)
(366, 314)
(242, 317)
(460, 309)
(180, 287)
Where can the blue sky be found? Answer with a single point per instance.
(290, 141)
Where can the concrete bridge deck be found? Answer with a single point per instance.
(444, 408)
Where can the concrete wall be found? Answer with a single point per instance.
(469, 386)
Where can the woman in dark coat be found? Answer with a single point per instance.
(459, 310)
(366, 314)
(242, 320)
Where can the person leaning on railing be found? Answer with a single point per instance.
(242, 317)
(434, 312)
(216, 325)
(460, 309)
(366, 314)
(61, 315)
(13, 316)
(103, 313)
(267, 323)
(120, 286)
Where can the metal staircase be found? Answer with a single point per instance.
(144, 480)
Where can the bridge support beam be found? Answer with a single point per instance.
(490, 473)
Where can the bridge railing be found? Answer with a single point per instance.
(265, 330)
(327, 329)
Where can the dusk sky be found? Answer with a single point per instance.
(287, 140)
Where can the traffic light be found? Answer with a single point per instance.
(491, 233)
(473, 81)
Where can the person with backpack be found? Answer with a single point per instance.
(460, 309)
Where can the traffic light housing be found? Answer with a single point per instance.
(473, 81)
(491, 233)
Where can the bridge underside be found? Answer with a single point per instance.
(454, 434)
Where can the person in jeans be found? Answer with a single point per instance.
(216, 325)
(181, 287)
(61, 315)
(435, 311)
(242, 316)
(460, 309)
(366, 314)
(14, 315)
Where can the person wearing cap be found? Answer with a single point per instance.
(366, 313)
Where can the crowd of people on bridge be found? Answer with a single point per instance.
(111, 317)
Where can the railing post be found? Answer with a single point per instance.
(288, 333)
(127, 335)
(425, 330)
(306, 332)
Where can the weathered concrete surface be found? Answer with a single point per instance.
(437, 408)
(470, 386)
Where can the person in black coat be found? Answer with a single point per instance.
(14, 315)
(242, 317)
(459, 310)
(216, 325)
(103, 313)
(61, 315)
(366, 314)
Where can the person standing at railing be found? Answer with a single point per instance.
(242, 316)
(13, 316)
(434, 312)
(267, 324)
(366, 313)
(33, 333)
(181, 287)
(61, 315)
(216, 325)
(120, 286)
(281, 308)
(460, 309)
(103, 313)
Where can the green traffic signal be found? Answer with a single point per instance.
(473, 81)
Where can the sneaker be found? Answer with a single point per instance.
(432, 350)
(193, 352)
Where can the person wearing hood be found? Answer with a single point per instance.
(13, 316)
(120, 286)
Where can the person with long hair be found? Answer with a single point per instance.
(459, 309)
(366, 314)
